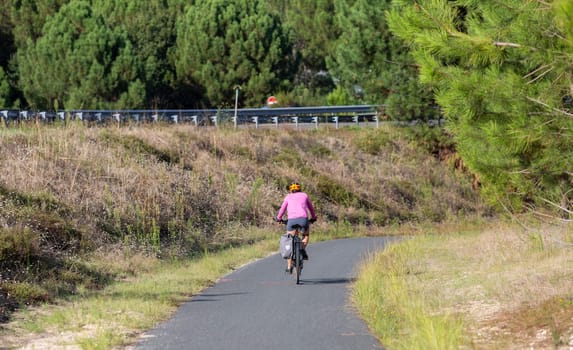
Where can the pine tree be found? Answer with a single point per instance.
(9, 94)
(375, 66)
(502, 75)
(314, 31)
(362, 51)
(150, 28)
(29, 16)
(80, 63)
(222, 44)
(4, 90)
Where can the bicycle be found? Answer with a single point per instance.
(296, 255)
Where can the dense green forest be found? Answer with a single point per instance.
(502, 76)
(127, 54)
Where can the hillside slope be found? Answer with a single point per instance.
(71, 196)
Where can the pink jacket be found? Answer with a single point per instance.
(297, 205)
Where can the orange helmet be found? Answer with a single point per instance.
(294, 187)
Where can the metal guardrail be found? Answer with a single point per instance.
(214, 117)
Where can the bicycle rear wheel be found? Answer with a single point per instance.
(297, 261)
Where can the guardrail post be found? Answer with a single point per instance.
(4, 117)
(295, 120)
(155, 117)
(315, 121)
(214, 120)
(234, 119)
(80, 116)
(136, 117)
(42, 115)
(194, 119)
(117, 117)
(355, 119)
(276, 121)
(98, 117)
(24, 115)
(377, 121)
(335, 119)
(175, 118)
(256, 121)
(237, 88)
(62, 115)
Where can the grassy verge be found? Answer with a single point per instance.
(497, 286)
(399, 315)
(115, 315)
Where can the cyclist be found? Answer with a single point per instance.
(298, 206)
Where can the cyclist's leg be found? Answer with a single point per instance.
(289, 260)
(305, 234)
(305, 239)
(304, 242)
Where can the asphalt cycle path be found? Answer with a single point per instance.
(259, 306)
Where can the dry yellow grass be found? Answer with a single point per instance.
(510, 286)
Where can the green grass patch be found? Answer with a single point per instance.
(401, 317)
(25, 292)
(373, 141)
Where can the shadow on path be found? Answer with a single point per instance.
(213, 297)
(323, 281)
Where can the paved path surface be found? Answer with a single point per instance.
(260, 307)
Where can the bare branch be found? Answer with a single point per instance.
(535, 71)
(552, 217)
(515, 219)
(557, 206)
(570, 115)
(504, 44)
(548, 68)
(558, 78)
(522, 171)
(527, 229)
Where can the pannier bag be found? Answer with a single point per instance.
(285, 245)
